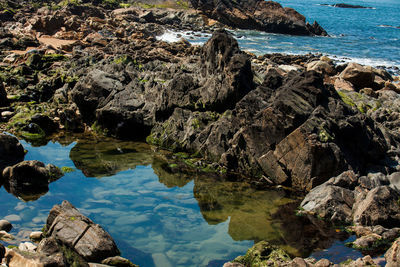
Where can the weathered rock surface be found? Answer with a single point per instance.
(259, 15)
(18, 258)
(68, 226)
(392, 256)
(348, 198)
(357, 75)
(30, 179)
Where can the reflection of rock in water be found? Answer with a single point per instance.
(135, 255)
(260, 215)
(168, 176)
(106, 157)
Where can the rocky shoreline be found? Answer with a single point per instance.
(303, 122)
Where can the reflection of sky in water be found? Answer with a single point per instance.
(152, 224)
(159, 218)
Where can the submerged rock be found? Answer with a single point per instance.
(5, 226)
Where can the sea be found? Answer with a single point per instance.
(367, 36)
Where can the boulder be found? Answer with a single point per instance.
(69, 227)
(2, 251)
(30, 179)
(11, 151)
(358, 76)
(118, 261)
(380, 207)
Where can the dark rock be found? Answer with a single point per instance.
(3, 95)
(359, 76)
(15, 257)
(69, 227)
(11, 151)
(45, 123)
(260, 15)
(2, 251)
(30, 179)
(343, 5)
(5, 225)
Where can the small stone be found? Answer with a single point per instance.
(5, 236)
(233, 264)
(118, 261)
(5, 225)
(36, 236)
(299, 262)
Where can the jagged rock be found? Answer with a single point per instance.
(30, 179)
(5, 225)
(69, 227)
(357, 75)
(380, 207)
(392, 256)
(11, 151)
(260, 15)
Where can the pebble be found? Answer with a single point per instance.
(5, 225)
(35, 235)
(5, 236)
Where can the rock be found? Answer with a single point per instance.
(5, 225)
(68, 226)
(5, 236)
(36, 236)
(16, 258)
(259, 15)
(118, 262)
(392, 256)
(30, 179)
(359, 76)
(341, 84)
(11, 151)
(366, 242)
(380, 207)
(330, 202)
(2, 252)
(369, 92)
(342, 5)
(323, 67)
(263, 253)
(27, 246)
(3, 95)
(233, 264)
(323, 263)
(45, 123)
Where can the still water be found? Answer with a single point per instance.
(159, 218)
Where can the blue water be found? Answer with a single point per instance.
(355, 34)
(156, 218)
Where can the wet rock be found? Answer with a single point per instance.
(27, 246)
(380, 206)
(28, 179)
(2, 251)
(359, 76)
(5, 225)
(118, 261)
(263, 253)
(366, 242)
(5, 236)
(68, 226)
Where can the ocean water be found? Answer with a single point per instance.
(159, 218)
(366, 36)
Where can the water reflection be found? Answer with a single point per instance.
(163, 218)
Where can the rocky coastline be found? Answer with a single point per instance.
(304, 122)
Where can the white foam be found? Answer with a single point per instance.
(169, 36)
